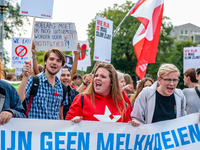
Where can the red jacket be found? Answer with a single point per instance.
(104, 109)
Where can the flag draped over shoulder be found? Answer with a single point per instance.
(145, 41)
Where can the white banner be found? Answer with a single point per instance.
(20, 51)
(191, 57)
(48, 35)
(103, 40)
(37, 8)
(32, 134)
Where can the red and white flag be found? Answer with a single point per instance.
(145, 41)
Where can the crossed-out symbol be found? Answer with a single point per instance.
(21, 50)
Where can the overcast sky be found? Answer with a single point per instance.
(81, 12)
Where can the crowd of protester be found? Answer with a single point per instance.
(107, 95)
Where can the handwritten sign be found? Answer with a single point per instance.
(48, 35)
(37, 8)
(191, 57)
(103, 40)
(20, 48)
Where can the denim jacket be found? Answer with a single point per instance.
(10, 101)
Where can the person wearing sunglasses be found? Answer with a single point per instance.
(162, 101)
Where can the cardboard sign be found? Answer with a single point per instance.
(103, 40)
(62, 35)
(20, 48)
(37, 8)
(40, 134)
(191, 57)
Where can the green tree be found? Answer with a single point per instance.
(176, 57)
(13, 23)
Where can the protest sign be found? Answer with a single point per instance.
(84, 57)
(37, 8)
(18, 71)
(34, 134)
(191, 57)
(103, 40)
(20, 50)
(48, 35)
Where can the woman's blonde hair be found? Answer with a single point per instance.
(120, 74)
(167, 68)
(115, 88)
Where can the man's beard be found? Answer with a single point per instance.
(51, 73)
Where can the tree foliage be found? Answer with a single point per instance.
(176, 57)
(13, 24)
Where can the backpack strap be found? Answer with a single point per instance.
(197, 91)
(82, 101)
(33, 92)
(64, 92)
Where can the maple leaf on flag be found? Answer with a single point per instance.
(145, 41)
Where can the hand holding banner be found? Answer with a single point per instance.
(176, 134)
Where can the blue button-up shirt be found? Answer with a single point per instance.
(45, 104)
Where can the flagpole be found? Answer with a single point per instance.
(125, 18)
(119, 26)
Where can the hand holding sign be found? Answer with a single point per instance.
(27, 69)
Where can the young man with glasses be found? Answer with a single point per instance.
(161, 101)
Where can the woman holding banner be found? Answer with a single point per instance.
(102, 100)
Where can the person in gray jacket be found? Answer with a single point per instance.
(161, 101)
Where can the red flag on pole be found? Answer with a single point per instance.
(145, 41)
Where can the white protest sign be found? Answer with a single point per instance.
(39, 134)
(191, 57)
(48, 35)
(84, 59)
(37, 8)
(103, 40)
(20, 50)
(18, 71)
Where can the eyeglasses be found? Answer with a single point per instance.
(168, 81)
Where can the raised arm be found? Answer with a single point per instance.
(27, 69)
(84, 83)
(35, 64)
(75, 63)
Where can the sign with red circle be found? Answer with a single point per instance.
(83, 52)
(21, 50)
